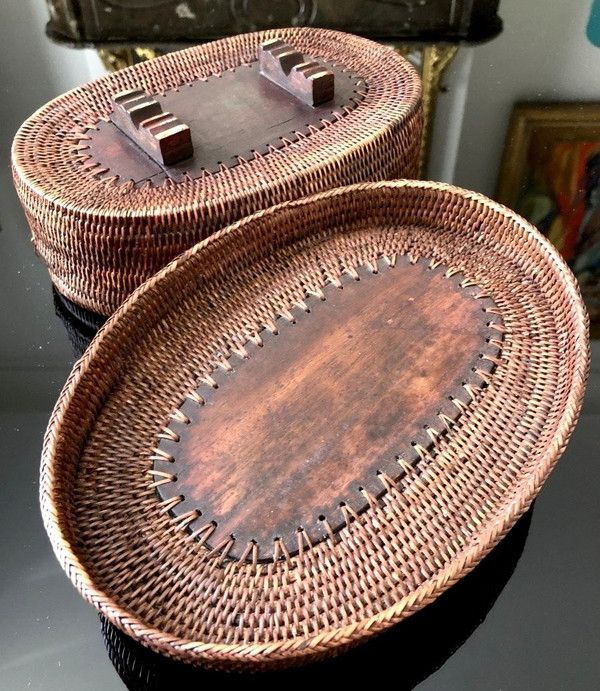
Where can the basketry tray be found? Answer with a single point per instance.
(253, 468)
(427, 639)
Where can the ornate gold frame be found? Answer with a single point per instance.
(556, 120)
(569, 120)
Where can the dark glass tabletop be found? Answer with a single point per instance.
(526, 618)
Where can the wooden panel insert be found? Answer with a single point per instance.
(231, 118)
(312, 416)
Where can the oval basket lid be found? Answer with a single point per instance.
(314, 422)
(106, 214)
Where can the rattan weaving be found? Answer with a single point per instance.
(135, 559)
(426, 639)
(101, 238)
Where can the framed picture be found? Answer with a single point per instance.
(550, 174)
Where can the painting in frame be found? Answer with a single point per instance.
(550, 174)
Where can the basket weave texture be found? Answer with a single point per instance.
(139, 566)
(101, 239)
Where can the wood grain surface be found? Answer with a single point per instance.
(230, 115)
(303, 77)
(311, 417)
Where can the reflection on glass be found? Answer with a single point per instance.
(81, 324)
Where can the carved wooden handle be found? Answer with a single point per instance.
(161, 135)
(304, 78)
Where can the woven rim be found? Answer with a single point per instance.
(528, 411)
(100, 240)
(466, 605)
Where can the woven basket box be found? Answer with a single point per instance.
(105, 215)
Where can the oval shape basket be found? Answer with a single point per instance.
(134, 556)
(101, 238)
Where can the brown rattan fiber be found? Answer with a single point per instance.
(135, 561)
(101, 238)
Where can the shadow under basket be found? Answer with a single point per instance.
(313, 423)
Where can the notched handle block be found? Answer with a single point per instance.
(306, 79)
(161, 135)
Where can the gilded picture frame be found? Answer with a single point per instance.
(550, 174)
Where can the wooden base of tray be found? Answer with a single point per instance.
(290, 435)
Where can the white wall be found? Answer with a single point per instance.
(542, 55)
(33, 70)
(448, 119)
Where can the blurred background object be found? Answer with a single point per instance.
(550, 174)
(593, 25)
(93, 22)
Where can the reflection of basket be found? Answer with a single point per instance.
(101, 235)
(81, 324)
(427, 639)
(379, 537)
